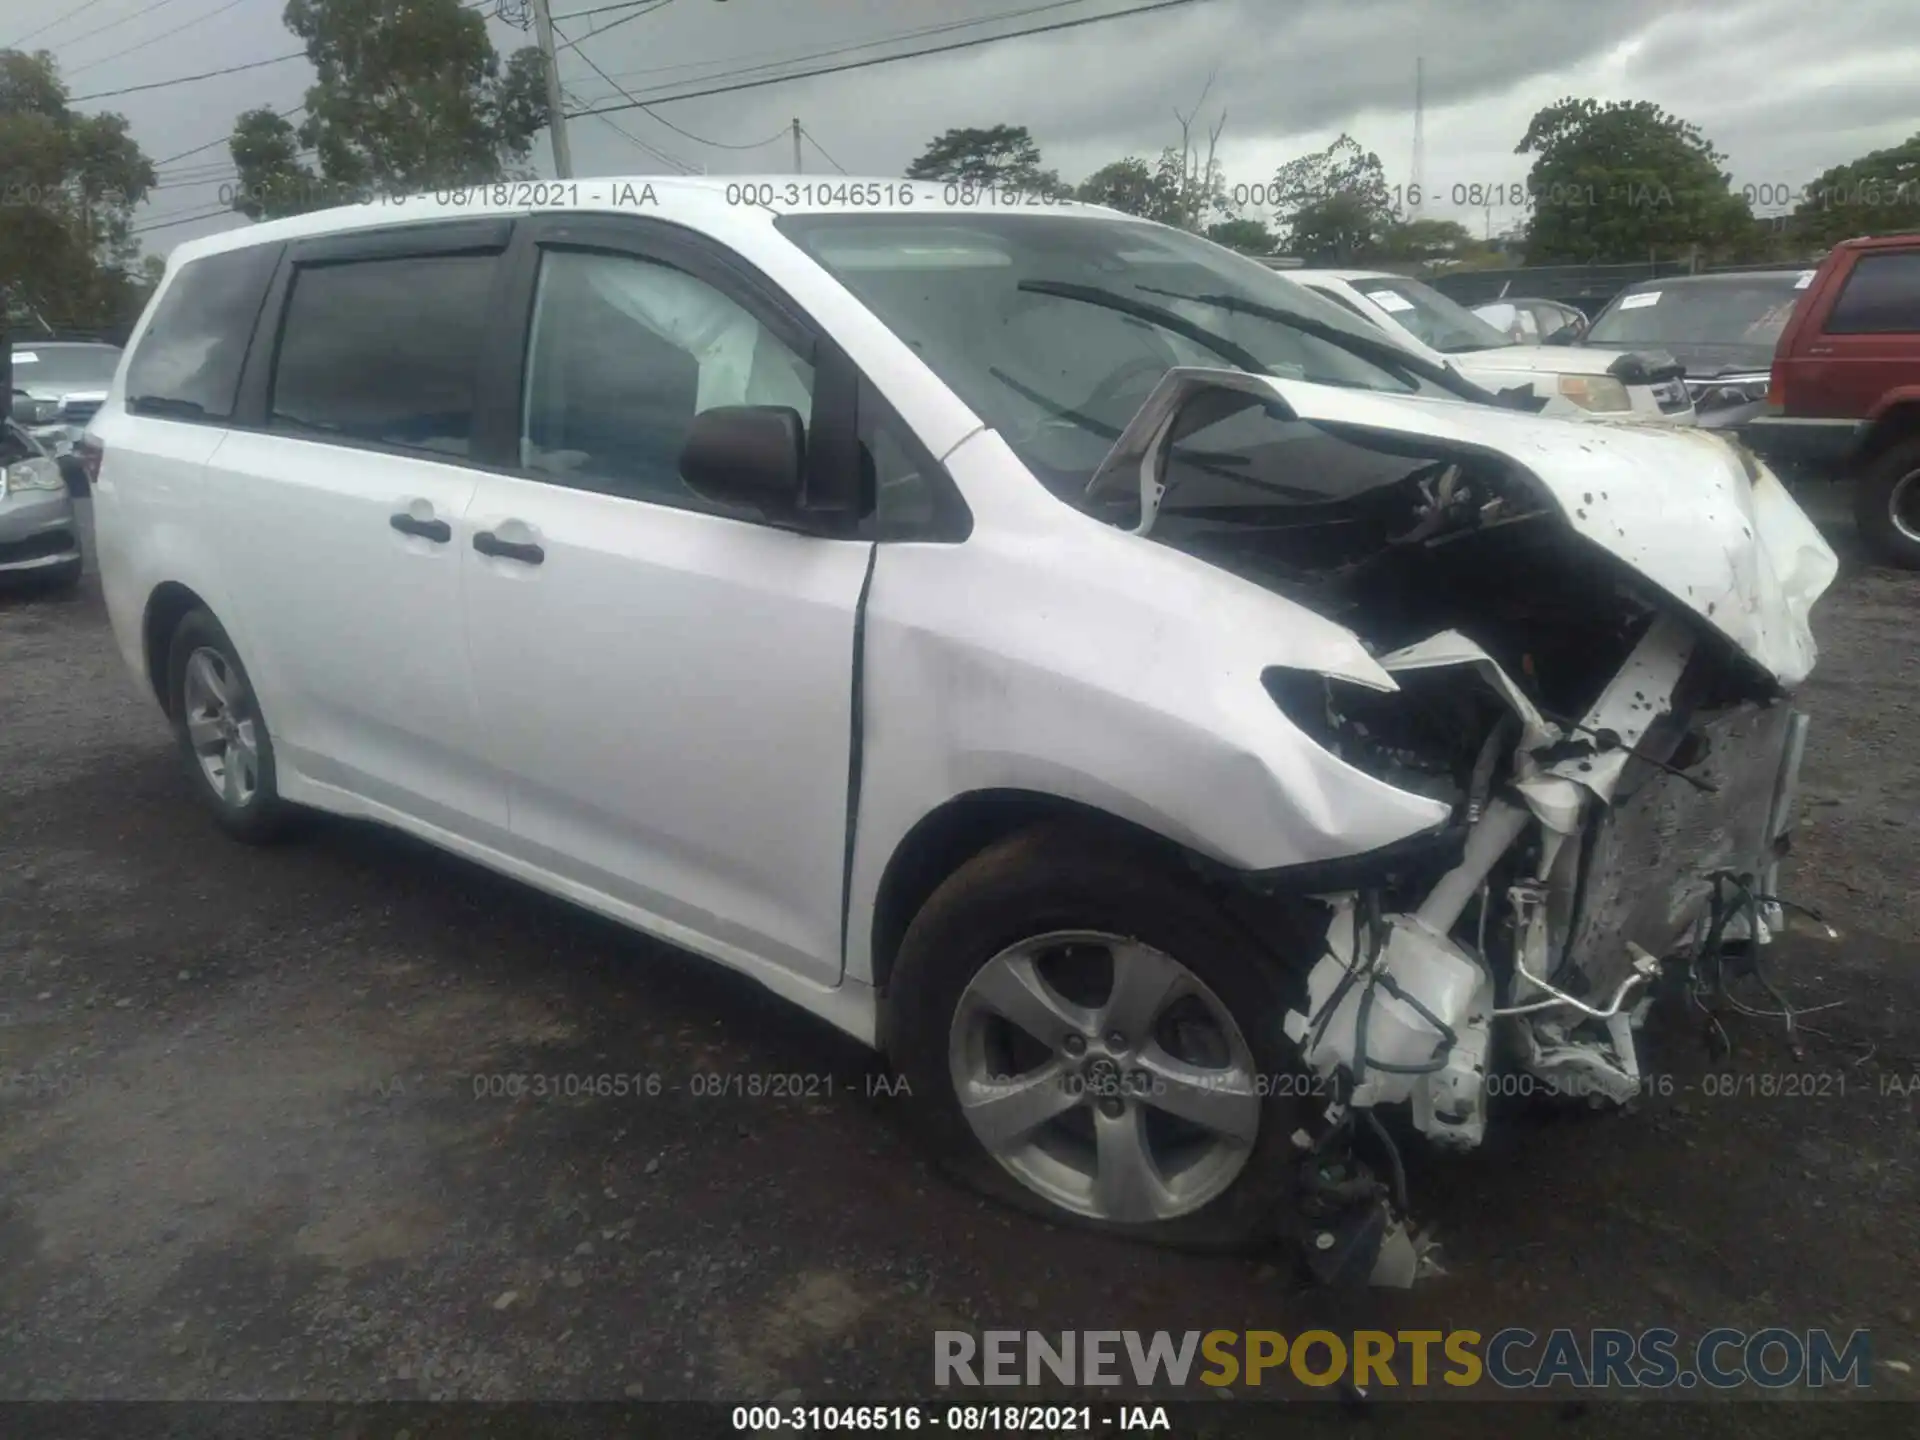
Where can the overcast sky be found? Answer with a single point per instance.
(1785, 89)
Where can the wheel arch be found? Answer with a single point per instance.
(1898, 422)
(169, 604)
(954, 832)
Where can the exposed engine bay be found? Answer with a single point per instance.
(1619, 758)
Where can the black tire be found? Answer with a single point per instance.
(1874, 499)
(1068, 876)
(263, 816)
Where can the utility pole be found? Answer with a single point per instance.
(796, 145)
(556, 119)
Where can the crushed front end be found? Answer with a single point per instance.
(1593, 668)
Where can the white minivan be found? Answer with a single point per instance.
(1168, 717)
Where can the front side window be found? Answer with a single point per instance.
(187, 364)
(1055, 329)
(624, 352)
(384, 352)
(1882, 297)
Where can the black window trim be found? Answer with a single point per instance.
(391, 242)
(833, 436)
(250, 346)
(499, 384)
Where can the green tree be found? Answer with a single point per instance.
(1627, 181)
(68, 187)
(1332, 206)
(1877, 194)
(410, 96)
(1002, 156)
(1130, 185)
(1249, 237)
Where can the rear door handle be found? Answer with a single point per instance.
(488, 543)
(437, 531)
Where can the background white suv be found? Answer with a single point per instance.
(1623, 384)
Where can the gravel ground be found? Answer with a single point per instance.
(247, 1147)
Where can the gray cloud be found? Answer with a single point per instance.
(1783, 89)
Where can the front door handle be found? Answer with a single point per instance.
(437, 531)
(488, 543)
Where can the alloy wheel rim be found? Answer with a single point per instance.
(1903, 506)
(1132, 1105)
(223, 732)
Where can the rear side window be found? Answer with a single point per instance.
(1881, 296)
(187, 365)
(384, 352)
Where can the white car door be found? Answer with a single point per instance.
(340, 507)
(666, 685)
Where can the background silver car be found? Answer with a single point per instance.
(39, 536)
(58, 385)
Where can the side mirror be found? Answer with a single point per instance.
(747, 456)
(26, 410)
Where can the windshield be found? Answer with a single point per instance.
(1056, 329)
(64, 367)
(1430, 317)
(1740, 317)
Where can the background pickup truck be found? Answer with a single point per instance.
(1843, 400)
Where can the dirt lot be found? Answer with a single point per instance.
(247, 1149)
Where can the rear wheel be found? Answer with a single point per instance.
(221, 732)
(1089, 1036)
(1887, 505)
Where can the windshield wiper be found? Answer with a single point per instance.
(1152, 315)
(1392, 358)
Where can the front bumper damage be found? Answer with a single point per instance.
(1594, 863)
(1626, 807)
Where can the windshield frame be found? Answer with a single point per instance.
(1198, 298)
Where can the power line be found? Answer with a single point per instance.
(188, 79)
(689, 169)
(118, 20)
(784, 57)
(217, 10)
(602, 9)
(650, 7)
(283, 114)
(183, 220)
(655, 151)
(948, 48)
(823, 151)
(57, 20)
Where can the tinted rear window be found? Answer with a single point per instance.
(188, 362)
(385, 351)
(1882, 295)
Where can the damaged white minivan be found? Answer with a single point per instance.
(1169, 718)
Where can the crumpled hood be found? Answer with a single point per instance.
(1677, 505)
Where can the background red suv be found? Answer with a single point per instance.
(1844, 398)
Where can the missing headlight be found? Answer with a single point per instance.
(1423, 738)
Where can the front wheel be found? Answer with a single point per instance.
(1090, 1037)
(1887, 505)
